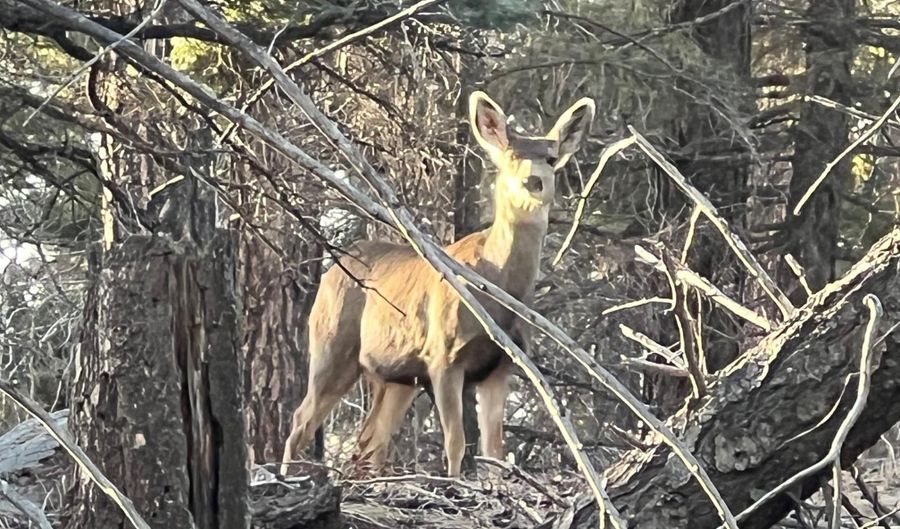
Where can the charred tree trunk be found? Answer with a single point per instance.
(744, 432)
(156, 400)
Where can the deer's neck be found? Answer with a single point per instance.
(514, 247)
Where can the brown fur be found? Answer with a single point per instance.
(409, 327)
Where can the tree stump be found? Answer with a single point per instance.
(157, 400)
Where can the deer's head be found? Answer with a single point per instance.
(526, 165)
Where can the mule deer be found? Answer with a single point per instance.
(409, 327)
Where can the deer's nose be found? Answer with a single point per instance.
(534, 184)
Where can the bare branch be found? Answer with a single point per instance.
(687, 332)
(868, 133)
(76, 453)
(331, 46)
(29, 509)
(737, 245)
(652, 346)
(605, 156)
(687, 276)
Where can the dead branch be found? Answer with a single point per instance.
(76, 453)
(734, 242)
(29, 509)
(651, 346)
(324, 50)
(687, 276)
(693, 353)
(605, 157)
(868, 133)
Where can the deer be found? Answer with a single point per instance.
(387, 315)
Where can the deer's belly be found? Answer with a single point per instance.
(480, 357)
(405, 369)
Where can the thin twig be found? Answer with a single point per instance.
(866, 363)
(869, 132)
(29, 509)
(87, 65)
(76, 453)
(636, 303)
(652, 346)
(654, 367)
(695, 216)
(734, 242)
(798, 271)
(605, 156)
(331, 46)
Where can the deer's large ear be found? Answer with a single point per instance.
(488, 124)
(571, 128)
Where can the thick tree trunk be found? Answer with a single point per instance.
(277, 305)
(743, 433)
(156, 399)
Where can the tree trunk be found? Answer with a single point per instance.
(156, 398)
(819, 136)
(277, 304)
(743, 433)
(466, 219)
(726, 41)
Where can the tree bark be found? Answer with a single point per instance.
(278, 301)
(156, 398)
(743, 432)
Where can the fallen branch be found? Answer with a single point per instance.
(25, 506)
(76, 453)
(832, 458)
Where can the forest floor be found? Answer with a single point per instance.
(32, 468)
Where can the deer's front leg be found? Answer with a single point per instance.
(447, 383)
(492, 393)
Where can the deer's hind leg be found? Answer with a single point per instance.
(333, 369)
(389, 407)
